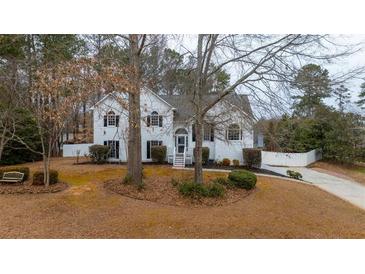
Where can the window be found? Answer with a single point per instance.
(114, 148)
(150, 144)
(234, 132)
(154, 119)
(208, 133)
(111, 119)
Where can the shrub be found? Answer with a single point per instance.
(223, 181)
(38, 177)
(192, 190)
(226, 162)
(243, 179)
(197, 191)
(158, 154)
(24, 170)
(205, 155)
(252, 157)
(99, 153)
(215, 190)
(294, 174)
(236, 162)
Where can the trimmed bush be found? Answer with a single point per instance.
(226, 162)
(205, 155)
(252, 157)
(294, 174)
(243, 179)
(24, 170)
(158, 154)
(197, 191)
(38, 177)
(236, 162)
(99, 153)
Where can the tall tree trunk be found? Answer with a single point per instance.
(198, 168)
(134, 112)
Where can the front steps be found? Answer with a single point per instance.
(179, 160)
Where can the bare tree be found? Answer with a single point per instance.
(262, 64)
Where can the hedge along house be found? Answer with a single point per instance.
(167, 120)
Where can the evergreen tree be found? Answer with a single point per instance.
(342, 95)
(314, 83)
(361, 102)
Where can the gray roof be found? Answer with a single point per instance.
(185, 107)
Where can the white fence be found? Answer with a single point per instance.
(290, 159)
(71, 150)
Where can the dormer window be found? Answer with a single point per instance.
(111, 120)
(154, 119)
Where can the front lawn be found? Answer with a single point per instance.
(276, 209)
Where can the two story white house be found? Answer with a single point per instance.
(168, 120)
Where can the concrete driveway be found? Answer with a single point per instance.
(350, 191)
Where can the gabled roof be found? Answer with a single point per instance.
(145, 89)
(185, 107)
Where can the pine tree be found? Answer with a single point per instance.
(361, 102)
(342, 95)
(314, 83)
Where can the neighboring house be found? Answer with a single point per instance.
(168, 120)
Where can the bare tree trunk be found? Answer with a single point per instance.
(134, 112)
(198, 168)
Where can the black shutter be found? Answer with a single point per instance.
(212, 133)
(117, 149)
(105, 121)
(193, 132)
(148, 120)
(160, 143)
(105, 143)
(148, 149)
(160, 121)
(117, 120)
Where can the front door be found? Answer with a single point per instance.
(180, 143)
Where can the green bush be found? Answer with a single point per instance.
(197, 191)
(243, 179)
(294, 174)
(205, 155)
(236, 162)
(215, 190)
(226, 162)
(158, 154)
(24, 170)
(252, 157)
(38, 177)
(223, 181)
(99, 153)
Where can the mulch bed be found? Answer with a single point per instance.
(253, 169)
(161, 190)
(27, 188)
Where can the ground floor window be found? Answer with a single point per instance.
(150, 144)
(114, 148)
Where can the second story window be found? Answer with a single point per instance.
(154, 119)
(111, 120)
